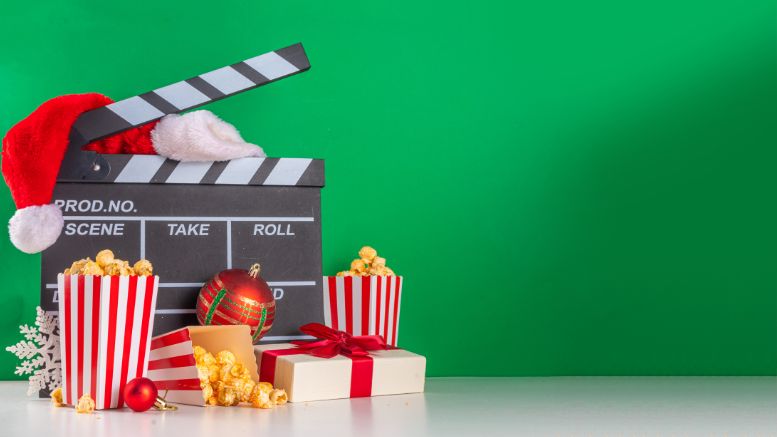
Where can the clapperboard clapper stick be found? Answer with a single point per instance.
(79, 165)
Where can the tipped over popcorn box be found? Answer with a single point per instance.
(364, 305)
(105, 325)
(173, 366)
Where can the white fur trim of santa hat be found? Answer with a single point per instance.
(200, 136)
(35, 228)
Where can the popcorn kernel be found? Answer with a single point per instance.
(261, 398)
(91, 268)
(279, 396)
(104, 257)
(85, 405)
(199, 351)
(143, 268)
(225, 357)
(368, 253)
(56, 397)
(358, 265)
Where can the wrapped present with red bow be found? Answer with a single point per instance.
(339, 365)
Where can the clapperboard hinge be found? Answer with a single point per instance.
(79, 165)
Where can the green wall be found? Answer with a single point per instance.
(570, 188)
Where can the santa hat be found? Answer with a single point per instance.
(34, 148)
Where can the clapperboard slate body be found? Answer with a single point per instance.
(192, 220)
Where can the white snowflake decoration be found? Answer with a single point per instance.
(39, 352)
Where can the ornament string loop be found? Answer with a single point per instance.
(161, 404)
(254, 270)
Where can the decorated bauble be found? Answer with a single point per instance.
(237, 297)
(140, 394)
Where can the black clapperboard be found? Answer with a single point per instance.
(194, 219)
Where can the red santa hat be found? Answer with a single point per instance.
(34, 148)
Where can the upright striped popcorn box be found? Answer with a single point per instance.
(173, 367)
(105, 325)
(364, 305)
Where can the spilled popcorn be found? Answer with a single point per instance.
(226, 382)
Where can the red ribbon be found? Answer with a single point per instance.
(330, 343)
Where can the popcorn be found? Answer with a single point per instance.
(118, 268)
(224, 373)
(368, 264)
(279, 396)
(225, 357)
(264, 386)
(207, 390)
(199, 351)
(247, 389)
(261, 398)
(77, 266)
(226, 395)
(377, 270)
(106, 263)
(91, 268)
(206, 358)
(203, 372)
(358, 265)
(104, 257)
(367, 253)
(226, 382)
(85, 405)
(143, 268)
(56, 397)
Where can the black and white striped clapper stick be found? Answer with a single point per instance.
(191, 93)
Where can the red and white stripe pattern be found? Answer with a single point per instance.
(105, 325)
(364, 305)
(173, 369)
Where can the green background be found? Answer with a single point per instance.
(572, 188)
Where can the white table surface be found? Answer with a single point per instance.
(479, 407)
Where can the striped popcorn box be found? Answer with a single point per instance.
(105, 325)
(173, 368)
(364, 305)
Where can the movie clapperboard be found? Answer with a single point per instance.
(194, 219)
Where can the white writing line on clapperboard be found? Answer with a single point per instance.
(200, 284)
(266, 338)
(189, 219)
(276, 288)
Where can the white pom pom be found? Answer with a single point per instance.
(200, 136)
(35, 228)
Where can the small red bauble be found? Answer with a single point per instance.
(237, 297)
(140, 394)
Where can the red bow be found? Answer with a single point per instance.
(332, 342)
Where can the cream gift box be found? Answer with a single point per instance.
(309, 378)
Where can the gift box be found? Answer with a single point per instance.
(105, 327)
(173, 368)
(364, 305)
(339, 366)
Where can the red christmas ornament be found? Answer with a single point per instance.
(237, 297)
(140, 394)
